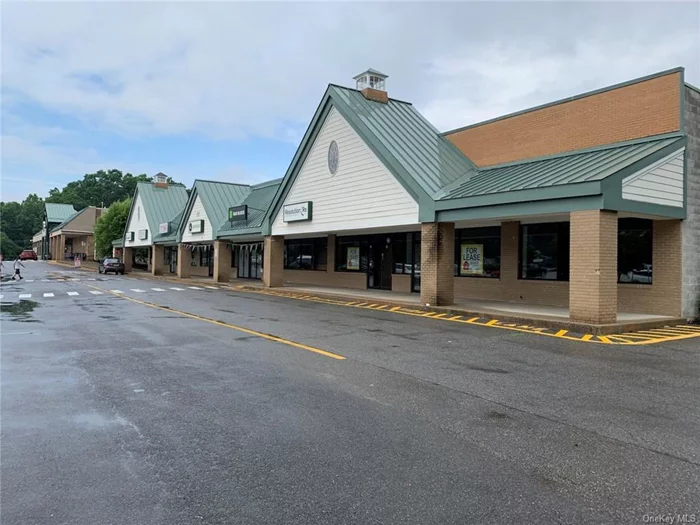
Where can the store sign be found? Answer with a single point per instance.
(353, 258)
(196, 226)
(300, 211)
(143, 235)
(238, 213)
(471, 259)
(163, 227)
(130, 236)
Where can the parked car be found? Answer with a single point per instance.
(27, 254)
(111, 264)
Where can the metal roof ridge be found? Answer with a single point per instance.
(360, 92)
(265, 184)
(591, 149)
(221, 182)
(569, 99)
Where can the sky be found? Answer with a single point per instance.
(225, 90)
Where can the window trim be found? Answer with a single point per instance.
(521, 240)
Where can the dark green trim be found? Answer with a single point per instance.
(691, 86)
(186, 213)
(569, 99)
(682, 103)
(128, 219)
(520, 209)
(426, 210)
(617, 203)
(565, 191)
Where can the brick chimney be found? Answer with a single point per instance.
(372, 85)
(161, 180)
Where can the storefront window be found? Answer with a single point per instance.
(634, 250)
(544, 251)
(478, 252)
(351, 254)
(305, 254)
(204, 256)
(402, 244)
(235, 250)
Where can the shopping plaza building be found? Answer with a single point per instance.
(591, 203)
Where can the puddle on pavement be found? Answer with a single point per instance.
(20, 311)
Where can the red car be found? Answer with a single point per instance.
(27, 254)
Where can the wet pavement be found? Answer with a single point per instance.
(184, 404)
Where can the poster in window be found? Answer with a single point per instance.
(353, 259)
(472, 259)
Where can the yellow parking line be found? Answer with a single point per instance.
(262, 335)
(381, 306)
(394, 308)
(561, 332)
(604, 339)
(454, 318)
(492, 322)
(587, 337)
(473, 319)
(440, 316)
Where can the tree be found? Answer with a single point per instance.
(110, 226)
(8, 249)
(101, 188)
(32, 214)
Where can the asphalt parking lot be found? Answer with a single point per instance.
(136, 401)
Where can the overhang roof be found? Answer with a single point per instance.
(592, 164)
(258, 201)
(58, 212)
(67, 220)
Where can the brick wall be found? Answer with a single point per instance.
(638, 110)
(273, 261)
(593, 267)
(691, 224)
(437, 263)
(328, 278)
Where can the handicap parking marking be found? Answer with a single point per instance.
(48, 294)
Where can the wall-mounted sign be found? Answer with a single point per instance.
(238, 213)
(130, 236)
(353, 258)
(196, 226)
(471, 259)
(143, 235)
(163, 227)
(300, 211)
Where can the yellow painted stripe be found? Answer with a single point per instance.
(587, 337)
(393, 309)
(561, 332)
(454, 318)
(381, 306)
(604, 339)
(492, 322)
(473, 319)
(439, 316)
(674, 331)
(428, 314)
(373, 305)
(248, 331)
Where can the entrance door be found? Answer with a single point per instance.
(173, 260)
(380, 263)
(210, 259)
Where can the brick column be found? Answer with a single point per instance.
(222, 261)
(273, 261)
(183, 262)
(127, 258)
(330, 254)
(667, 267)
(61, 247)
(510, 241)
(593, 267)
(158, 262)
(437, 263)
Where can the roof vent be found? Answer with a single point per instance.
(372, 84)
(161, 180)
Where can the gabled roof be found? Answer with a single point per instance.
(217, 198)
(258, 202)
(58, 212)
(159, 204)
(173, 225)
(588, 165)
(67, 219)
(413, 150)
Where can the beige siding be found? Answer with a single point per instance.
(197, 213)
(362, 193)
(138, 222)
(660, 183)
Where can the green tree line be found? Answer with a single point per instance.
(19, 221)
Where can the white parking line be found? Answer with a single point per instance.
(195, 288)
(116, 291)
(30, 281)
(177, 289)
(211, 287)
(91, 279)
(25, 296)
(2, 296)
(158, 289)
(48, 295)
(72, 293)
(139, 290)
(95, 292)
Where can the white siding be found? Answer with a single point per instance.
(138, 222)
(197, 213)
(362, 193)
(660, 183)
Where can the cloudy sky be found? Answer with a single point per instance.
(224, 90)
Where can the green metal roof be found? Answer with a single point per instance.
(58, 212)
(173, 225)
(589, 165)
(412, 142)
(160, 204)
(218, 197)
(258, 201)
(67, 220)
